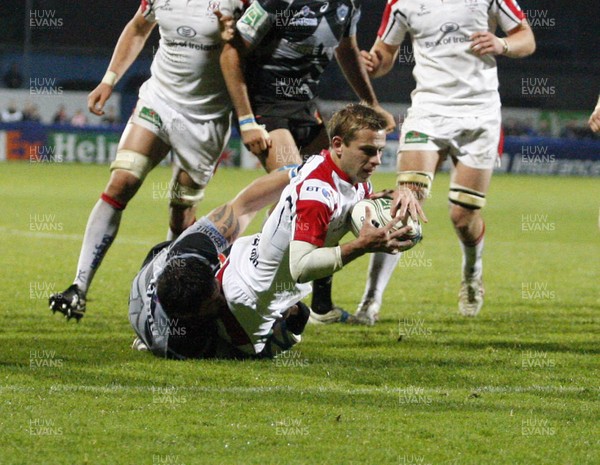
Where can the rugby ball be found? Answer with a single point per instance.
(380, 216)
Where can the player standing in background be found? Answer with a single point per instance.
(455, 112)
(183, 108)
(272, 71)
(594, 121)
(268, 273)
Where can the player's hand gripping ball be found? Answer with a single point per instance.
(380, 216)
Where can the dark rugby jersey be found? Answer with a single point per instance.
(293, 41)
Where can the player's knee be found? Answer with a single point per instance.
(462, 217)
(122, 186)
(417, 181)
(133, 163)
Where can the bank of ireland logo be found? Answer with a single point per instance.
(186, 31)
(447, 28)
(342, 13)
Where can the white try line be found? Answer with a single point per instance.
(283, 389)
(65, 237)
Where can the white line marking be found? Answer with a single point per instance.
(317, 390)
(66, 237)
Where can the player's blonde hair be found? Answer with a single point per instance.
(346, 122)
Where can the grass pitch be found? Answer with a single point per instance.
(516, 385)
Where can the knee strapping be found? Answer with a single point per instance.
(465, 197)
(419, 179)
(137, 164)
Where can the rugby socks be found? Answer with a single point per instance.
(101, 230)
(381, 267)
(296, 323)
(321, 296)
(472, 262)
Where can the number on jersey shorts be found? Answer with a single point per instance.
(472, 139)
(196, 144)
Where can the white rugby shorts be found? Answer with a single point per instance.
(196, 145)
(473, 140)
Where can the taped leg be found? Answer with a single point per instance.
(417, 181)
(184, 195)
(467, 197)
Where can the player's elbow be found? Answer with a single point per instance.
(300, 259)
(526, 43)
(297, 272)
(298, 276)
(531, 46)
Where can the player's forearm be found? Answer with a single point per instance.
(386, 55)
(520, 42)
(260, 193)
(308, 262)
(234, 217)
(130, 44)
(348, 57)
(232, 66)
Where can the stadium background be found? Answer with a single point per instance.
(62, 50)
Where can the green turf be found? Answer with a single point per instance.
(517, 385)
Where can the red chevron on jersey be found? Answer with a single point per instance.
(515, 9)
(386, 17)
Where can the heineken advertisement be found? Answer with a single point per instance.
(83, 147)
(33, 142)
(36, 143)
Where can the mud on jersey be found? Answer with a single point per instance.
(451, 80)
(293, 41)
(186, 69)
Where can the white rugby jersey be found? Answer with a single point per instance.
(450, 79)
(313, 208)
(186, 69)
